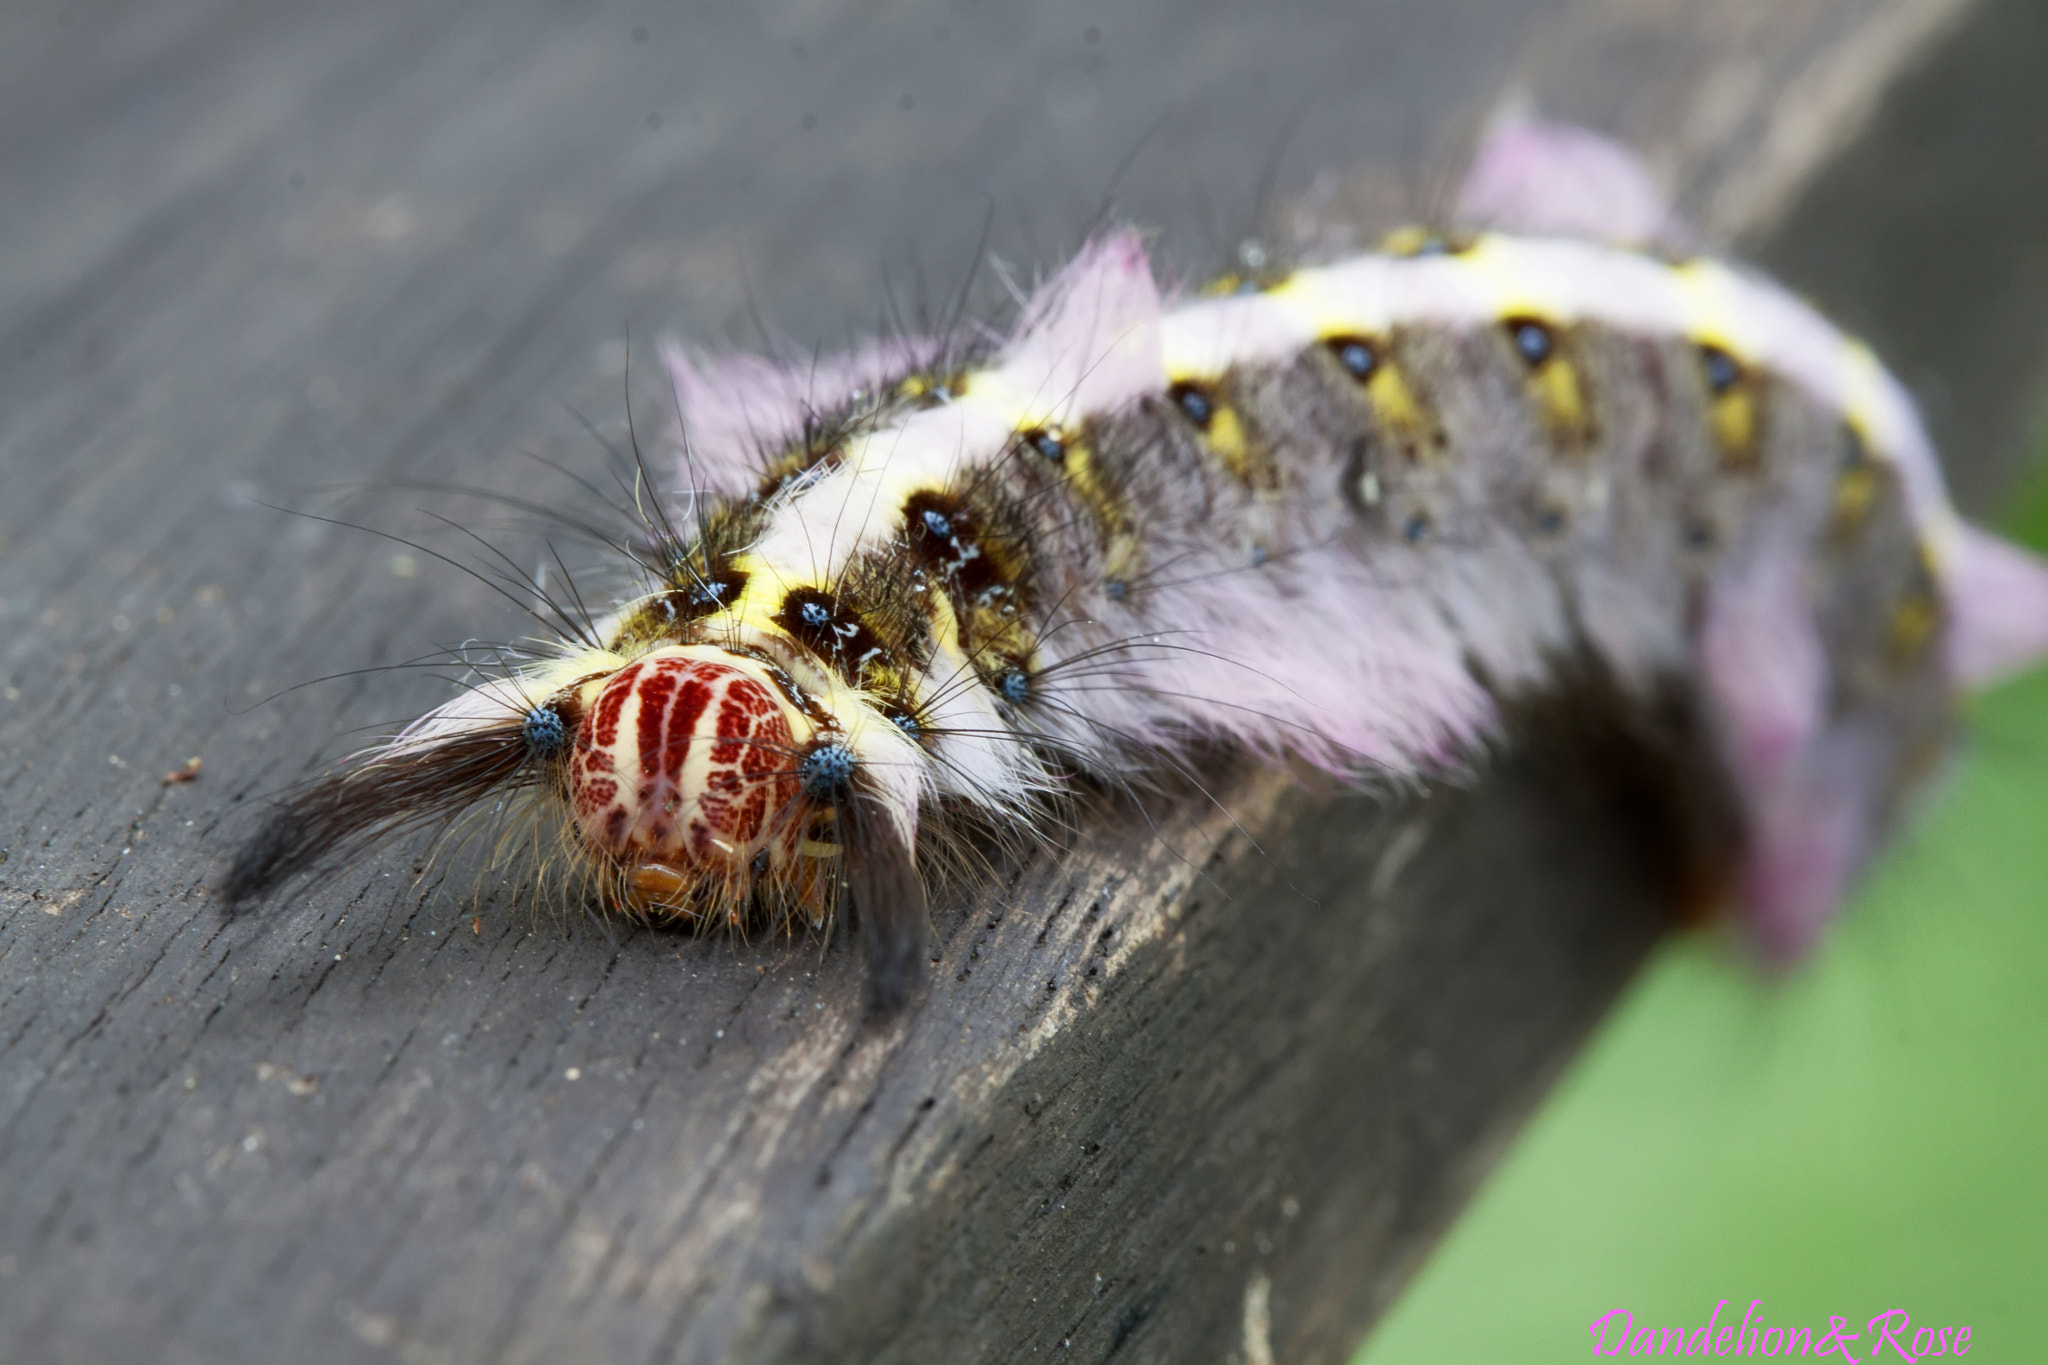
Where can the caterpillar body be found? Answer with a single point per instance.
(1353, 514)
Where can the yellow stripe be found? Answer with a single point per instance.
(1399, 410)
(1226, 438)
(1862, 404)
(1733, 417)
(1556, 386)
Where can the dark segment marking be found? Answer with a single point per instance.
(659, 618)
(1194, 402)
(545, 734)
(1048, 444)
(698, 578)
(1358, 356)
(974, 545)
(818, 621)
(827, 771)
(1534, 341)
(1723, 373)
(708, 594)
(944, 534)
(700, 575)
(886, 592)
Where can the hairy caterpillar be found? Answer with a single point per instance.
(1353, 513)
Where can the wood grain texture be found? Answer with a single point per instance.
(1224, 1062)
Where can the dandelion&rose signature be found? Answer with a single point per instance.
(1615, 1331)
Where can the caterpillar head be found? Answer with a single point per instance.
(693, 780)
(685, 774)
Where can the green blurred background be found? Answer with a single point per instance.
(1866, 1134)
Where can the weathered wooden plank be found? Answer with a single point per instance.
(1167, 1087)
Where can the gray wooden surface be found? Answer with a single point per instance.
(1204, 1087)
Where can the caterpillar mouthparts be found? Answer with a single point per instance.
(1354, 514)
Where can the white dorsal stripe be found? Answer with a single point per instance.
(819, 526)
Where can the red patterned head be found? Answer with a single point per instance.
(684, 775)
